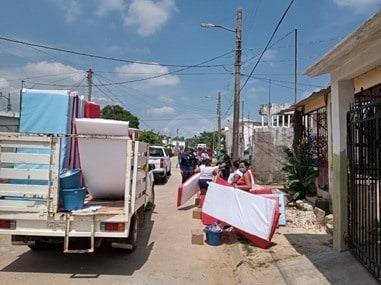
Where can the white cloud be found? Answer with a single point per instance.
(53, 68)
(357, 4)
(3, 83)
(71, 9)
(138, 71)
(105, 7)
(165, 99)
(148, 15)
(161, 111)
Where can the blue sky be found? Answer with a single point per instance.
(169, 32)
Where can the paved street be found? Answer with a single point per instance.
(164, 255)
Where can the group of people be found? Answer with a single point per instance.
(239, 173)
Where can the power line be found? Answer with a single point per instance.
(268, 43)
(166, 73)
(97, 56)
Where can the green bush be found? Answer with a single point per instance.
(299, 173)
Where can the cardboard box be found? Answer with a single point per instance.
(197, 237)
(196, 214)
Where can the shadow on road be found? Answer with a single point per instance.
(104, 261)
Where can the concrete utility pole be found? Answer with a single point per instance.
(270, 119)
(219, 119)
(296, 67)
(242, 129)
(89, 78)
(177, 140)
(9, 106)
(237, 84)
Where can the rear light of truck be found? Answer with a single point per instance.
(7, 224)
(113, 227)
(161, 162)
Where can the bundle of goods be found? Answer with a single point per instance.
(103, 160)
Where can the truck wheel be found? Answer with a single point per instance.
(165, 178)
(37, 245)
(133, 233)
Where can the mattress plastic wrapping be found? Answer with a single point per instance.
(103, 161)
(250, 213)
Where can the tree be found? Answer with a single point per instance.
(116, 112)
(151, 138)
(208, 138)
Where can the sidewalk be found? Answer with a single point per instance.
(299, 256)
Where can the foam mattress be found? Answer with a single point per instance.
(103, 161)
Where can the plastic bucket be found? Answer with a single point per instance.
(70, 179)
(213, 238)
(73, 199)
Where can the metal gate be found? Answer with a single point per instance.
(364, 183)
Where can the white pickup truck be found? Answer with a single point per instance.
(30, 212)
(159, 157)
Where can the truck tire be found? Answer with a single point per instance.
(38, 245)
(133, 233)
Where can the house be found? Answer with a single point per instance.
(354, 149)
(315, 113)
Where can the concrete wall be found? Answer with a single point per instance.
(268, 153)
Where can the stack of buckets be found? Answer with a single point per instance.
(72, 195)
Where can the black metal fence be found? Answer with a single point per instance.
(364, 183)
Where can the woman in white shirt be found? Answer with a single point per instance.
(207, 173)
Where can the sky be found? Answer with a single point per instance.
(168, 34)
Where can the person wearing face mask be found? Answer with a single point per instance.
(246, 182)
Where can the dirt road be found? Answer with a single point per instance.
(164, 255)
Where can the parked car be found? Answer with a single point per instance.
(160, 158)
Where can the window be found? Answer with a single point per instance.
(156, 152)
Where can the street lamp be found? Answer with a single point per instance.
(237, 75)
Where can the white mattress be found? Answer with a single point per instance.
(103, 161)
(250, 213)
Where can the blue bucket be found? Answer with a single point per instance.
(73, 199)
(70, 179)
(213, 238)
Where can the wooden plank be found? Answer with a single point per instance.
(127, 187)
(21, 190)
(24, 144)
(9, 157)
(25, 137)
(34, 174)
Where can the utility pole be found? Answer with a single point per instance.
(89, 78)
(9, 107)
(296, 67)
(237, 84)
(219, 119)
(177, 141)
(243, 129)
(269, 121)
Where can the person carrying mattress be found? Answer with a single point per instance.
(187, 164)
(207, 173)
(246, 182)
(236, 173)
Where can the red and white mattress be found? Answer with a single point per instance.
(188, 189)
(255, 216)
